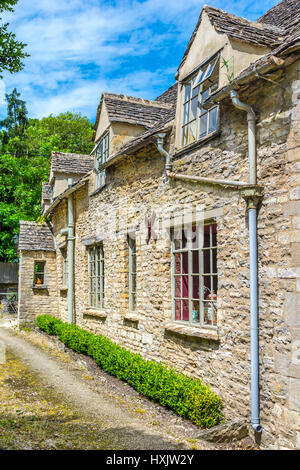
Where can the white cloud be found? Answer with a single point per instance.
(79, 49)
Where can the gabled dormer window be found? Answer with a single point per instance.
(199, 122)
(101, 154)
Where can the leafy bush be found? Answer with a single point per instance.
(186, 396)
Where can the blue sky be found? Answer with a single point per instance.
(79, 49)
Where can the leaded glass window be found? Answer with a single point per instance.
(96, 276)
(101, 154)
(132, 273)
(39, 273)
(194, 274)
(199, 122)
(64, 266)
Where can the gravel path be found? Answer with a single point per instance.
(124, 419)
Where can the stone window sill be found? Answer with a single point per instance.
(97, 190)
(183, 150)
(134, 317)
(39, 286)
(193, 331)
(95, 313)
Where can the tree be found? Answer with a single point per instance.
(11, 50)
(16, 121)
(26, 146)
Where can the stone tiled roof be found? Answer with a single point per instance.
(46, 191)
(169, 96)
(285, 15)
(34, 236)
(71, 163)
(121, 108)
(244, 30)
(270, 30)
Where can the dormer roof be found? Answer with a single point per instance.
(271, 30)
(35, 236)
(132, 110)
(71, 163)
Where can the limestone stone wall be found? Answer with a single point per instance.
(35, 300)
(136, 188)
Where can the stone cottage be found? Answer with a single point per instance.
(179, 236)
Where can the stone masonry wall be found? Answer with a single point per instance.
(35, 300)
(136, 187)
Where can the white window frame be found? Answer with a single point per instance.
(41, 273)
(65, 266)
(206, 313)
(132, 273)
(101, 154)
(96, 276)
(197, 122)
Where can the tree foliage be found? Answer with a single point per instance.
(26, 146)
(11, 51)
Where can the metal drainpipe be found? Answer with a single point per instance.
(252, 214)
(69, 232)
(159, 143)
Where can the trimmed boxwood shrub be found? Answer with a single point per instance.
(186, 396)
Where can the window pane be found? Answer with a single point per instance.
(185, 287)
(214, 257)
(186, 113)
(209, 314)
(214, 234)
(206, 261)
(185, 262)
(203, 125)
(196, 286)
(187, 93)
(177, 309)
(206, 241)
(185, 310)
(185, 136)
(196, 311)
(195, 262)
(206, 287)
(177, 286)
(213, 114)
(194, 108)
(177, 263)
(205, 95)
(193, 131)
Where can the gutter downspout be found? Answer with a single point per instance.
(159, 143)
(252, 201)
(69, 232)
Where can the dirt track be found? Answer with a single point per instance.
(50, 400)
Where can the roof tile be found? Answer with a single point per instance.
(34, 236)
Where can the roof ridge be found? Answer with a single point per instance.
(133, 99)
(256, 23)
(56, 153)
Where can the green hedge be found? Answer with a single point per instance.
(184, 395)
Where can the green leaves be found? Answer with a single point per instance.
(11, 51)
(25, 153)
(229, 68)
(186, 396)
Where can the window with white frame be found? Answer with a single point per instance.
(199, 122)
(101, 154)
(132, 273)
(194, 274)
(96, 276)
(64, 254)
(39, 273)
